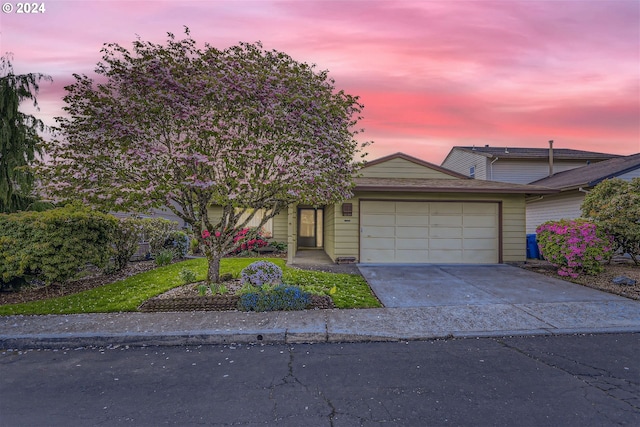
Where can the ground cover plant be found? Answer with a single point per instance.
(350, 291)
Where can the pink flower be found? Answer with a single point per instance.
(205, 234)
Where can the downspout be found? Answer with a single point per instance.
(491, 167)
(583, 190)
(551, 158)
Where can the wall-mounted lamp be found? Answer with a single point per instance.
(347, 209)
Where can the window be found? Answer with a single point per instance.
(472, 172)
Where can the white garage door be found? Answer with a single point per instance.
(428, 232)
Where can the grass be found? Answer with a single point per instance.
(352, 291)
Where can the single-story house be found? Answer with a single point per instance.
(572, 187)
(406, 210)
(517, 165)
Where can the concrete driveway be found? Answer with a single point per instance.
(403, 286)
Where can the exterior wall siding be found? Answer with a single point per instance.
(462, 161)
(280, 226)
(630, 175)
(330, 230)
(554, 207)
(347, 232)
(215, 213)
(524, 172)
(401, 168)
(513, 221)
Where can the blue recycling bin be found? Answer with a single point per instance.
(533, 252)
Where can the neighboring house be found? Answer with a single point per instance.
(573, 185)
(406, 210)
(517, 165)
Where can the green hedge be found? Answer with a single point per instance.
(53, 245)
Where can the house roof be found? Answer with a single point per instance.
(591, 175)
(413, 160)
(534, 153)
(464, 185)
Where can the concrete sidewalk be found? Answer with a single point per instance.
(313, 326)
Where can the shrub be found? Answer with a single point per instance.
(245, 244)
(615, 204)
(194, 246)
(281, 297)
(126, 241)
(53, 245)
(279, 246)
(187, 276)
(179, 242)
(164, 257)
(157, 231)
(260, 273)
(574, 246)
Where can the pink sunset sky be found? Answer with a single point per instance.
(432, 74)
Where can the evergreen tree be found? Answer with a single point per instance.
(19, 138)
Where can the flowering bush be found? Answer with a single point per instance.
(240, 240)
(574, 246)
(260, 273)
(248, 245)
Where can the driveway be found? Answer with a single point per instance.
(450, 285)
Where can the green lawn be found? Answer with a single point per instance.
(126, 295)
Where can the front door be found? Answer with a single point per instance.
(310, 227)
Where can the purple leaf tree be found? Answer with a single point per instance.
(188, 128)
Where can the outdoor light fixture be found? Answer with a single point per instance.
(347, 209)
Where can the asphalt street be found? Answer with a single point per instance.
(568, 380)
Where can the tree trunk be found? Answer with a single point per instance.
(213, 273)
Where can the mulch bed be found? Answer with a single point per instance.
(216, 303)
(603, 281)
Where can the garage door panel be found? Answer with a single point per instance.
(446, 208)
(481, 257)
(379, 243)
(378, 255)
(445, 244)
(402, 244)
(480, 209)
(446, 232)
(378, 220)
(445, 257)
(379, 207)
(480, 221)
(480, 244)
(412, 220)
(412, 208)
(412, 256)
(479, 233)
(377, 232)
(444, 221)
(412, 232)
(430, 232)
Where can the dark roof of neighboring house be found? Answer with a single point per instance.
(535, 153)
(591, 175)
(447, 186)
(413, 160)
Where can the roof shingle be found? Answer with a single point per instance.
(591, 175)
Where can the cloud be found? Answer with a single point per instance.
(431, 74)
